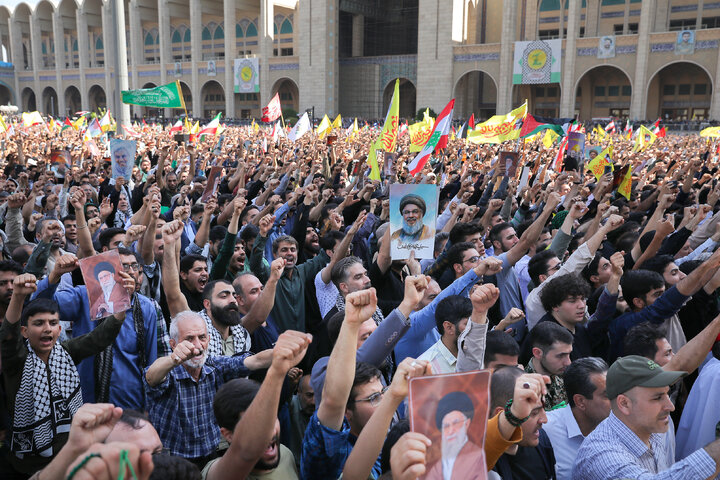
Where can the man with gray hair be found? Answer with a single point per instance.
(181, 388)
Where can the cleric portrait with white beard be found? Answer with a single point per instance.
(413, 209)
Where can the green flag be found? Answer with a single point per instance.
(164, 96)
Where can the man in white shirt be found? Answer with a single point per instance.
(588, 405)
(451, 318)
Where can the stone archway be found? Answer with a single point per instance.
(50, 101)
(73, 100)
(408, 98)
(97, 98)
(603, 91)
(212, 98)
(679, 91)
(29, 103)
(475, 92)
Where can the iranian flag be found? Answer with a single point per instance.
(211, 128)
(438, 139)
(177, 127)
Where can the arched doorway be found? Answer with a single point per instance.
(543, 99)
(680, 91)
(475, 92)
(6, 95)
(289, 95)
(603, 91)
(28, 100)
(407, 98)
(73, 100)
(213, 99)
(50, 101)
(97, 98)
(187, 96)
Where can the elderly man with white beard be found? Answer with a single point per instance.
(412, 209)
(181, 388)
(453, 416)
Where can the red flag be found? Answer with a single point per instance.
(471, 122)
(273, 111)
(661, 132)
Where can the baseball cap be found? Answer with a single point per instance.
(636, 371)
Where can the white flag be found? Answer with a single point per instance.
(300, 128)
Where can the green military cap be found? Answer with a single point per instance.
(636, 371)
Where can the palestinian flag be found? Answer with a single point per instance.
(438, 139)
(534, 124)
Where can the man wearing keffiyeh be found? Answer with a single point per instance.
(41, 379)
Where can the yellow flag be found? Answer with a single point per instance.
(355, 129)
(3, 125)
(499, 128)
(388, 136)
(337, 123)
(625, 186)
(195, 128)
(419, 135)
(549, 138)
(644, 139)
(188, 127)
(600, 132)
(32, 118)
(597, 164)
(78, 124)
(426, 116)
(710, 132)
(324, 128)
(52, 124)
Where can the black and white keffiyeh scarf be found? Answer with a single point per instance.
(48, 397)
(377, 316)
(241, 337)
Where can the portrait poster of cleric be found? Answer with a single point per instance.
(106, 293)
(413, 210)
(452, 411)
(122, 155)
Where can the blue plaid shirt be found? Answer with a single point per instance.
(324, 451)
(612, 450)
(181, 409)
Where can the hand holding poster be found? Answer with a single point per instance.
(122, 153)
(576, 144)
(106, 293)
(509, 163)
(413, 210)
(212, 183)
(452, 411)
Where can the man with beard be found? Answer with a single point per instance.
(231, 256)
(194, 278)
(412, 209)
(227, 336)
(551, 346)
(451, 317)
(8, 271)
(231, 402)
(453, 416)
(113, 298)
(181, 388)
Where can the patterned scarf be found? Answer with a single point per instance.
(377, 316)
(48, 397)
(241, 338)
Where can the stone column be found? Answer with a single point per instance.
(507, 39)
(164, 34)
(531, 20)
(626, 18)
(196, 54)
(358, 35)
(35, 42)
(136, 43)
(267, 36)
(592, 12)
(316, 34)
(84, 55)
(698, 18)
(638, 101)
(58, 33)
(230, 52)
(17, 59)
(108, 48)
(567, 94)
(715, 105)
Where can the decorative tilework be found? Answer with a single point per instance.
(612, 14)
(46, 78)
(95, 75)
(477, 57)
(587, 52)
(625, 49)
(149, 73)
(284, 66)
(706, 45)
(381, 60)
(26, 79)
(71, 77)
(662, 47)
(683, 8)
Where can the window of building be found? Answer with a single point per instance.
(626, 90)
(700, 89)
(275, 52)
(286, 52)
(600, 91)
(668, 89)
(710, 22)
(579, 92)
(682, 24)
(540, 92)
(552, 92)
(549, 34)
(613, 91)
(684, 89)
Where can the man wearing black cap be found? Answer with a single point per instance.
(412, 208)
(459, 455)
(633, 442)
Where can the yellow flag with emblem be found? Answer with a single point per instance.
(644, 139)
(324, 128)
(549, 138)
(388, 136)
(597, 164)
(337, 123)
(625, 187)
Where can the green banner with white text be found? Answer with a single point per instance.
(164, 96)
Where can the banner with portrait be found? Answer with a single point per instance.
(685, 44)
(413, 210)
(606, 47)
(246, 72)
(122, 156)
(537, 61)
(106, 293)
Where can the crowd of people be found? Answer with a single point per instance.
(271, 334)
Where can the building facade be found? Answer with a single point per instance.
(639, 59)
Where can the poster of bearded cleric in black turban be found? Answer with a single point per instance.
(452, 411)
(413, 210)
(106, 293)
